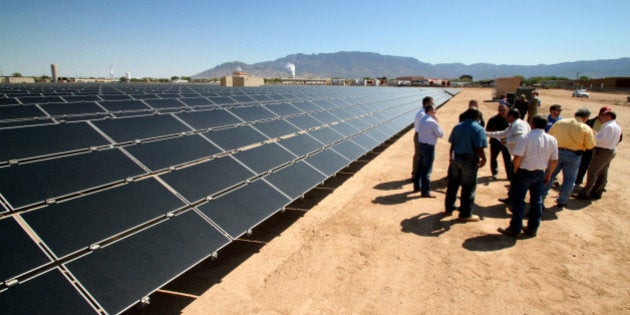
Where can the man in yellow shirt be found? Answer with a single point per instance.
(574, 137)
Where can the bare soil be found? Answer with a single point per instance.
(373, 246)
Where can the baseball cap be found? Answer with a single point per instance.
(605, 109)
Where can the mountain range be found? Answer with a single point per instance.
(352, 64)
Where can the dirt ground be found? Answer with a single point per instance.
(373, 246)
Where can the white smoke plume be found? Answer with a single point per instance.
(291, 67)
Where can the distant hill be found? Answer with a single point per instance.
(351, 64)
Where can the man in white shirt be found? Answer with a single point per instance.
(428, 133)
(517, 129)
(535, 158)
(606, 141)
(426, 101)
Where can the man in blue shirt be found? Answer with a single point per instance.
(554, 115)
(468, 139)
(428, 133)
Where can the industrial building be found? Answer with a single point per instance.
(241, 78)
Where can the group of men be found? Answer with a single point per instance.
(533, 152)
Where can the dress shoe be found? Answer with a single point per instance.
(472, 218)
(528, 233)
(505, 200)
(509, 232)
(427, 196)
(494, 177)
(561, 205)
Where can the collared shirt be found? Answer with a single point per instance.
(467, 136)
(429, 130)
(608, 137)
(517, 129)
(536, 148)
(419, 116)
(573, 135)
(551, 121)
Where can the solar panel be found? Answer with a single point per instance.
(26, 184)
(276, 128)
(161, 154)
(283, 109)
(193, 101)
(39, 99)
(208, 119)
(307, 106)
(164, 103)
(233, 138)
(114, 218)
(296, 179)
(328, 162)
(120, 274)
(205, 179)
(129, 129)
(43, 140)
(265, 157)
(326, 135)
(365, 141)
(301, 145)
(325, 117)
(78, 223)
(350, 150)
(221, 100)
(8, 101)
(252, 113)
(304, 122)
(244, 208)
(19, 253)
(124, 105)
(49, 293)
(81, 98)
(20, 111)
(114, 97)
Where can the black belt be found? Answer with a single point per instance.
(604, 149)
(426, 144)
(469, 157)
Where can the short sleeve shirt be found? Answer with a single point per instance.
(467, 136)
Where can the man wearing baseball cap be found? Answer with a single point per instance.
(596, 125)
(606, 139)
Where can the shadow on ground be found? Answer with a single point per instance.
(426, 224)
(489, 243)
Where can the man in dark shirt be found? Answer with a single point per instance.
(473, 104)
(499, 122)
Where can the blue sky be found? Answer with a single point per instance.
(165, 38)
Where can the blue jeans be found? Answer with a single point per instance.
(426, 154)
(525, 180)
(569, 164)
(462, 172)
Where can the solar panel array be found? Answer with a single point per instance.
(110, 191)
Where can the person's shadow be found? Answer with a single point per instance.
(395, 198)
(392, 185)
(426, 224)
(489, 242)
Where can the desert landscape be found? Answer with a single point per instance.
(369, 244)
